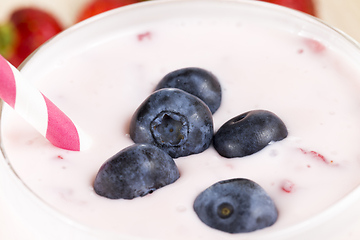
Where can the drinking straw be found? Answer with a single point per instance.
(38, 110)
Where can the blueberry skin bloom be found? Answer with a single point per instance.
(196, 81)
(248, 133)
(236, 206)
(175, 121)
(134, 172)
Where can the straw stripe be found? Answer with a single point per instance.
(61, 131)
(7, 83)
(30, 103)
(38, 110)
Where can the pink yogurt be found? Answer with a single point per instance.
(265, 57)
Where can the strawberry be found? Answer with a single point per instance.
(26, 30)
(318, 156)
(98, 6)
(306, 6)
(287, 186)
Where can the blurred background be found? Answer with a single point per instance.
(342, 14)
(65, 10)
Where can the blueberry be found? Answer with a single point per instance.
(236, 206)
(173, 120)
(196, 81)
(134, 172)
(248, 133)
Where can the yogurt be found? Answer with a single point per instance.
(265, 57)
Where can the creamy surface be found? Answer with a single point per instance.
(309, 85)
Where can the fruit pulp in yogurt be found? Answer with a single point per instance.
(303, 78)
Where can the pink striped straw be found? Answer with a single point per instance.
(37, 109)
